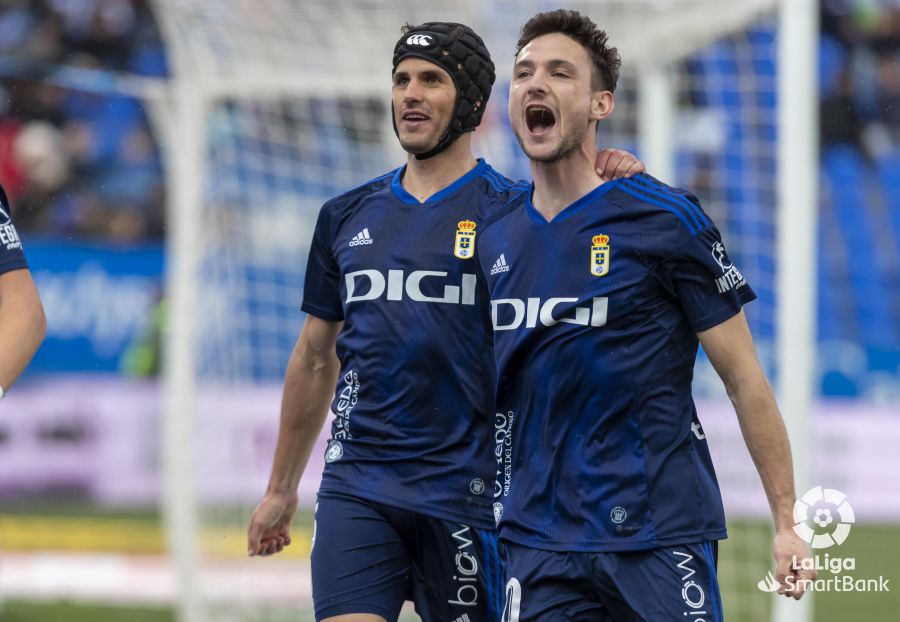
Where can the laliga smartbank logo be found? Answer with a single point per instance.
(823, 518)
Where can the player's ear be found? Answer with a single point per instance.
(602, 105)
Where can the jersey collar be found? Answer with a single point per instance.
(404, 196)
(570, 209)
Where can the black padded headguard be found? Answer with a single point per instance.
(461, 53)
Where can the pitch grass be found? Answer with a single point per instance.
(79, 528)
(18, 611)
(876, 549)
(745, 558)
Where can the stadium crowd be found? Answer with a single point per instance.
(86, 164)
(860, 75)
(77, 163)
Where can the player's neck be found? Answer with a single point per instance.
(423, 178)
(560, 183)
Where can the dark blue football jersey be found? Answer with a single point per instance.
(414, 402)
(595, 316)
(11, 255)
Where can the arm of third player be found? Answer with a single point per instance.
(615, 163)
(22, 324)
(308, 388)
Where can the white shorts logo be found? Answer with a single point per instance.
(513, 601)
(823, 517)
(476, 486)
(312, 543)
(618, 515)
(466, 570)
(335, 452)
(498, 512)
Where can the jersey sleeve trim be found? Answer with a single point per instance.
(676, 195)
(373, 185)
(668, 203)
(499, 183)
(321, 312)
(503, 193)
(710, 321)
(494, 180)
(516, 201)
(13, 263)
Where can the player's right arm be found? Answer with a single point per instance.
(712, 292)
(308, 388)
(732, 353)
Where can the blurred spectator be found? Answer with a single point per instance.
(860, 75)
(76, 162)
(839, 119)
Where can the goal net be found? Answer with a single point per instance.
(278, 105)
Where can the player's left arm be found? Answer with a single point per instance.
(615, 163)
(730, 348)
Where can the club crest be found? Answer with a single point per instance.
(600, 255)
(464, 248)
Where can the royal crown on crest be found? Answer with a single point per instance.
(466, 225)
(600, 240)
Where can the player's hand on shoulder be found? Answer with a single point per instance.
(790, 551)
(269, 530)
(617, 163)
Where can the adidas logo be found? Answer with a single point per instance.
(463, 618)
(500, 265)
(362, 238)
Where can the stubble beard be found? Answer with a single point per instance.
(566, 145)
(419, 146)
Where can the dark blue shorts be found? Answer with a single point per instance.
(659, 585)
(369, 557)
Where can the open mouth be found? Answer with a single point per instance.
(539, 118)
(413, 117)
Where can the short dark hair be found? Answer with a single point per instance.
(580, 28)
